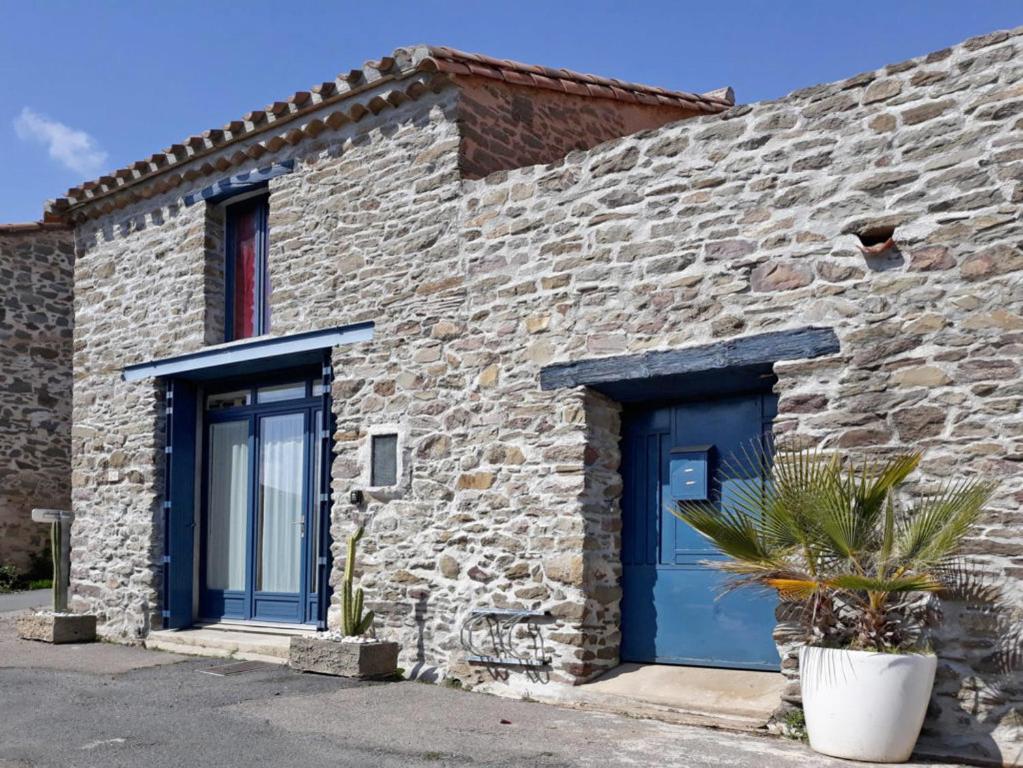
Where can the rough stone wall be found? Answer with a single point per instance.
(351, 233)
(139, 290)
(375, 236)
(714, 228)
(697, 231)
(507, 126)
(369, 233)
(35, 385)
(214, 285)
(366, 228)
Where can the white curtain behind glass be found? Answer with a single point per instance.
(228, 505)
(282, 470)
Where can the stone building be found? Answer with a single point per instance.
(516, 308)
(36, 265)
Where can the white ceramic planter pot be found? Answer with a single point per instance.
(862, 705)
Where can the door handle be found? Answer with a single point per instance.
(301, 526)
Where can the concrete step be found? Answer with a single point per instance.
(259, 643)
(731, 699)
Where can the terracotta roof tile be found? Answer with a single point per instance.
(424, 68)
(456, 62)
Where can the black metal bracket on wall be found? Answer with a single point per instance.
(498, 626)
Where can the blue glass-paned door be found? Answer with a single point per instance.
(674, 610)
(261, 513)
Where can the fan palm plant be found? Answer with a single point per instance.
(830, 535)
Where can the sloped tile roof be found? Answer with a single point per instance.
(565, 80)
(408, 73)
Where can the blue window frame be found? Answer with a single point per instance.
(246, 269)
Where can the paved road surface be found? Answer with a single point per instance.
(105, 706)
(17, 601)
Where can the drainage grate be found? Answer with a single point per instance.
(236, 668)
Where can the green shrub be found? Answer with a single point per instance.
(795, 724)
(10, 578)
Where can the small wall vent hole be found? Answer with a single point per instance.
(874, 239)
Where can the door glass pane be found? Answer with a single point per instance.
(314, 571)
(278, 392)
(280, 516)
(228, 505)
(227, 400)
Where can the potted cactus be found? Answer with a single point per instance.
(350, 650)
(57, 625)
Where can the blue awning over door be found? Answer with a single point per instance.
(251, 357)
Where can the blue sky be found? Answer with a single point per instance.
(86, 87)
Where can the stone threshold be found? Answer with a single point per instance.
(247, 641)
(730, 699)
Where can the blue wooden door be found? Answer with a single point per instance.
(263, 507)
(673, 608)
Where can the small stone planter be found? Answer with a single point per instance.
(344, 657)
(57, 628)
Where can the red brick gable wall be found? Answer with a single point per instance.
(505, 126)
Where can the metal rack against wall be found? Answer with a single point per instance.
(489, 635)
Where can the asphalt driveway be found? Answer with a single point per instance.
(109, 706)
(33, 598)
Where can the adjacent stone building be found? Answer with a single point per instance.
(36, 266)
(508, 363)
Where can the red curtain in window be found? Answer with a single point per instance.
(244, 268)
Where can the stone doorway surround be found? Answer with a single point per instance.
(606, 384)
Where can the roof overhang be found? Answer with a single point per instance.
(261, 355)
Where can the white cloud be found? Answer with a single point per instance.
(71, 148)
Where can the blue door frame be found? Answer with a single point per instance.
(179, 516)
(307, 606)
(673, 607)
(299, 355)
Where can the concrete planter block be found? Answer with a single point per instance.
(57, 627)
(344, 658)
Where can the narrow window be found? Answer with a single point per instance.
(247, 280)
(384, 461)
